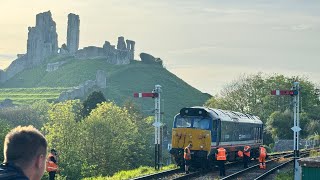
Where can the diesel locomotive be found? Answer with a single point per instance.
(208, 128)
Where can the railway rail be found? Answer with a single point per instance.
(253, 172)
(234, 169)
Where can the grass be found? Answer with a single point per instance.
(314, 153)
(122, 82)
(144, 170)
(285, 175)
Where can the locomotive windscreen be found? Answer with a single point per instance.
(192, 122)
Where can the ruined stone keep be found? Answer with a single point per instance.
(73, 33)
(42, 39)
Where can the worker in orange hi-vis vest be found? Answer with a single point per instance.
(240, 154)
(52, 166)
(187, 157)
(246, 156)
(221, 157)
(262, 157)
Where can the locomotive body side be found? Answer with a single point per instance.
(236, 130)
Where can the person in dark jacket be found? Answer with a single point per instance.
(24, 154)
(246, 156)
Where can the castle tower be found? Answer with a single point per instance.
(121, 43)
(42, 39)
(73, 33)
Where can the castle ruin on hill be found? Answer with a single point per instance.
(42, 43)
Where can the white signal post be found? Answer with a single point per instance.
(157, 124)
(295, 92)
(296, 129)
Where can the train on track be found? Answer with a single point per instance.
(208, 128)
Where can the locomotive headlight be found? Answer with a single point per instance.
(201, 147)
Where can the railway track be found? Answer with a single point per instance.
(160, 174)
(234, 169)
(255, 173)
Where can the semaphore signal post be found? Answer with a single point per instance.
(157, 124)
(296, 121)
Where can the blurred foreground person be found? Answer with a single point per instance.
(25, 151)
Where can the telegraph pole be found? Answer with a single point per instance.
(157, 123)
(295, 92)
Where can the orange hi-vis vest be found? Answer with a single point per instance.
(246, 151)
(263, 152)
(221, 156)
(240, 154)
(50, 165)
(187, 155)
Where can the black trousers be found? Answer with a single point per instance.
(52, 175)
(221, 168)
(245, 161)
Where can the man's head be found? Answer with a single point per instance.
(26, 147)
(190, 145)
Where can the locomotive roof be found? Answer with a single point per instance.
(232, 116)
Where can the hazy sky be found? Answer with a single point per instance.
(207, 43)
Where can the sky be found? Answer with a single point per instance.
(207, 43)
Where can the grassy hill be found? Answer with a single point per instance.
(122, 82)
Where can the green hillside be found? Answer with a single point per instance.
(122, 82)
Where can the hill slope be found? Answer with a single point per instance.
(122, 82)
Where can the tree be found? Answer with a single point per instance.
(313, 127)
(251, 94)
(111, 136)
(65, 135)
(91, 102)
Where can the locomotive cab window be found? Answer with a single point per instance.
(201, 123)
(183, 122)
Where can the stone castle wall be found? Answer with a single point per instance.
(80, 91)
(120, 56)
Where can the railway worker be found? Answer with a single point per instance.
(246, 156)
(240, 154)
(25, 151)
(221, 157)
(187, 157)
(52, 166)
(262, 157)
